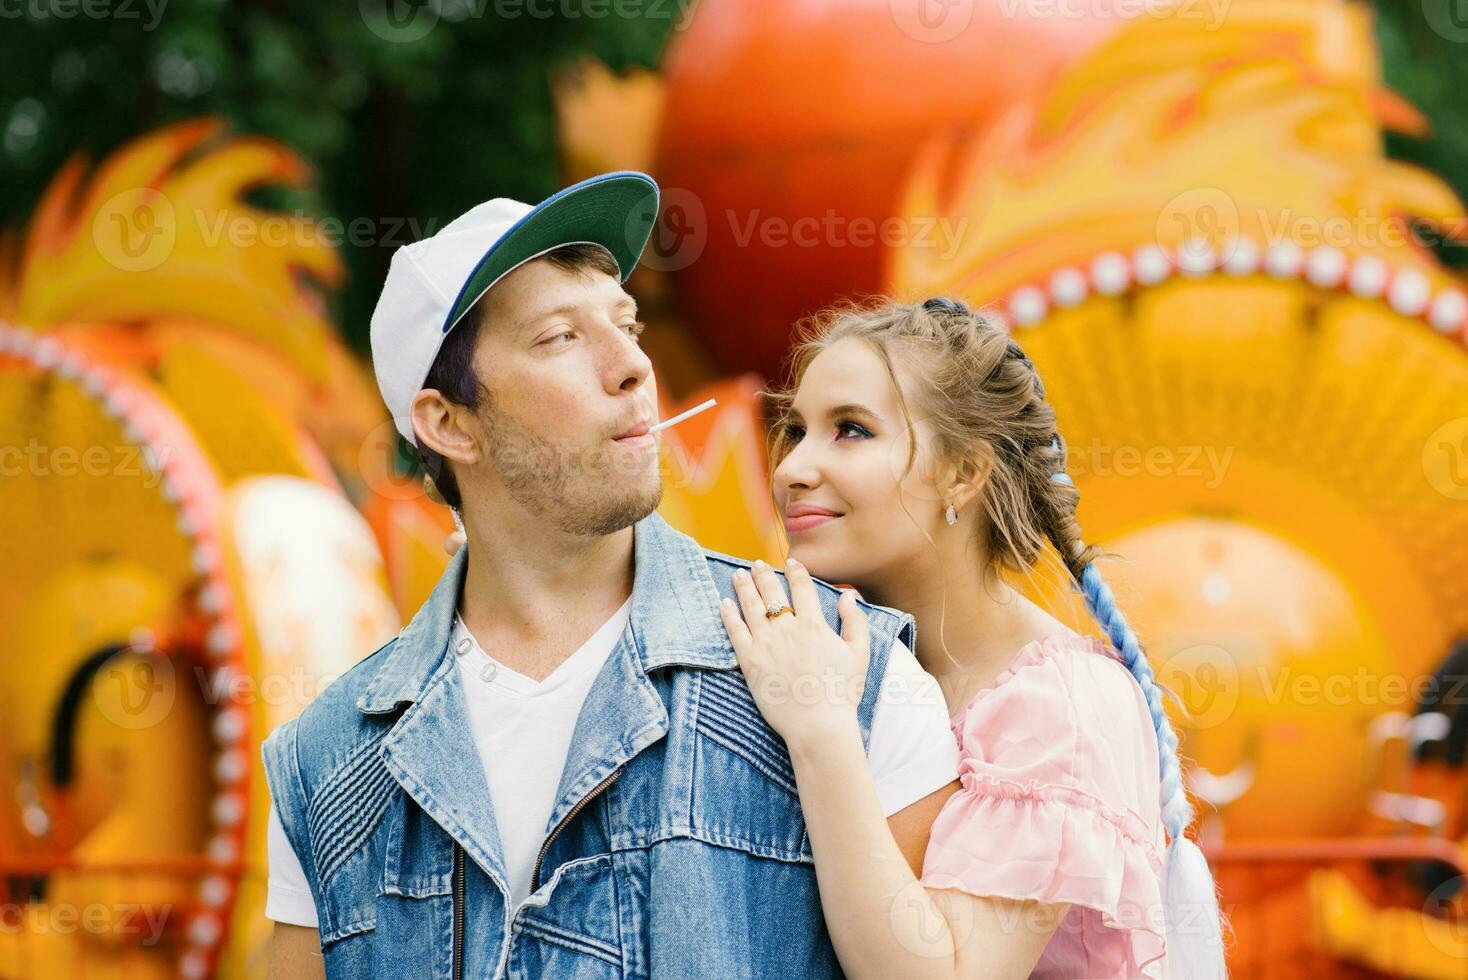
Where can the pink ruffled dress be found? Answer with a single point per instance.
(1060, 803)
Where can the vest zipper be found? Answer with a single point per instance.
(458, 910)
(535, 874)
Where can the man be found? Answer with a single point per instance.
(556, 769)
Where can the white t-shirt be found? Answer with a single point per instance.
(525, 726)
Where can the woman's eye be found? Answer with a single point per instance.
(794, 432)
(861, 431)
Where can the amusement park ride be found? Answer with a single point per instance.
(1191, 228)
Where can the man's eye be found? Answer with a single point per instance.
(635, 328)
(564, 333)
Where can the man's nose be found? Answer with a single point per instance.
(630, 366)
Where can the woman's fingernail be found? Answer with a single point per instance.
(792, 563)
(759, 563)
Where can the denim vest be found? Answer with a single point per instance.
(676, 847)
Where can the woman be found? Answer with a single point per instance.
(917, 459)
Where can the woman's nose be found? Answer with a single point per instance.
(798, 469)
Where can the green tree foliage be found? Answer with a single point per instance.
(414, 110)
(410, 111)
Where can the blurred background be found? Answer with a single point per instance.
(1230, 234)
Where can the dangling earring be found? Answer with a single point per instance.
(950, 515)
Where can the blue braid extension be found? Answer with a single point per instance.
(1177, 812)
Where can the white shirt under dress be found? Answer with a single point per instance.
(525, 726)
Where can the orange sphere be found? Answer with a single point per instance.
(788, 132)
(1280, 672)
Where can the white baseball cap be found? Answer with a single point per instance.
(432, 283)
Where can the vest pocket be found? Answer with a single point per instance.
(414, 900)
(576, 932)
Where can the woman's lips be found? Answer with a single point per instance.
(795, 525)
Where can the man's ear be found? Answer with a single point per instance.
(448, 429)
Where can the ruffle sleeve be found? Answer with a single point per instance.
(1059, 803)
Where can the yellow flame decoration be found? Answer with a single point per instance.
(1268, 126)
(162, 229)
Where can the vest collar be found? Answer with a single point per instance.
(674, 617)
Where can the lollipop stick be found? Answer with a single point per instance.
(686, 415)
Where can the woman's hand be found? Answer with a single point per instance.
(806, 680)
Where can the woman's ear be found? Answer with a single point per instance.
(448, 429)
(969, 474)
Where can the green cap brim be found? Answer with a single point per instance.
(616, 211)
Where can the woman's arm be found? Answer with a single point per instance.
(807, 682)
(882, 921)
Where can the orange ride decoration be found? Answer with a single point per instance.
(1259, 372)
(788, 129)
(161, 345)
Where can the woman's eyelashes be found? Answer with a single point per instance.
(795, 433)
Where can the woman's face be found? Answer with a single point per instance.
(841, 489)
